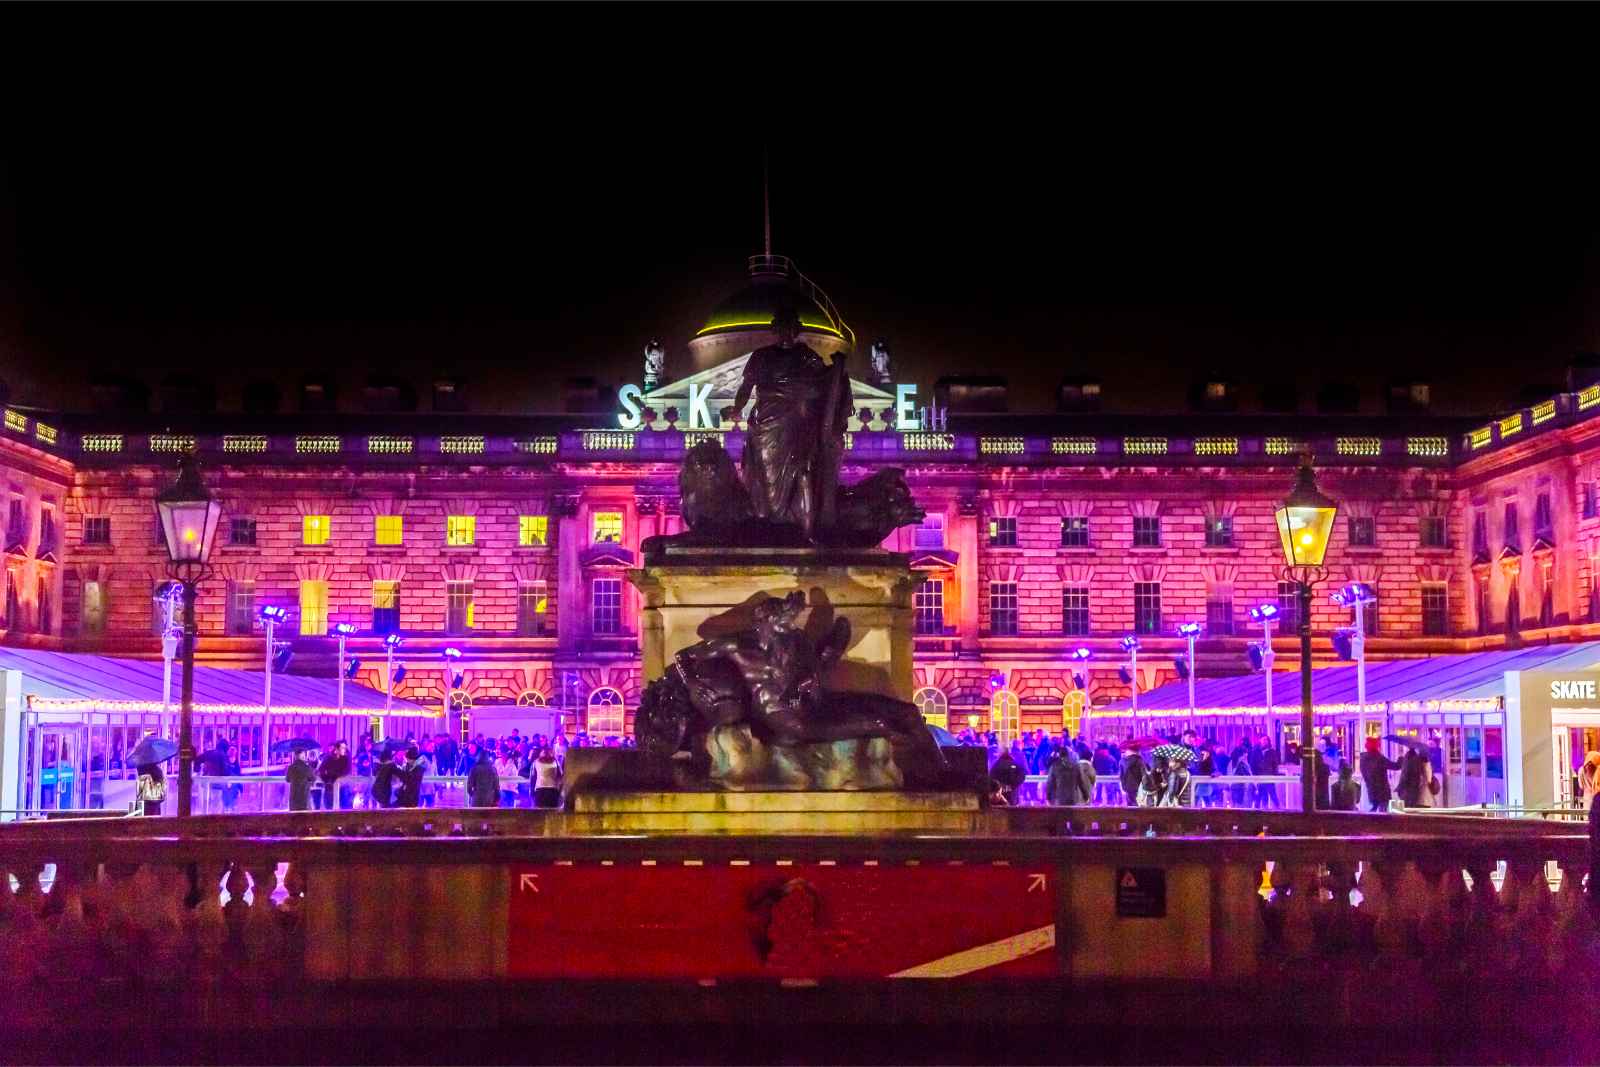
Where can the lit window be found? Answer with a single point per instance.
(607, 714)
(1003, 531)
(1075, 610)
(927, 606)
(315, 529)
(608, 527)
(92, 616)
(97, 530)
(460, 530)
(930, 534)
(314, 607)
(388, 530)
(1147, 607)
(385, 607)
(533, 530)
(533, 609)
(1147, 531)
(605, 613)
(934, 706)
(458, 607)
(1003, 609)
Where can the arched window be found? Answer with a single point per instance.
(607, 715)
(933, 704)
(460, 700)
(530, 698)
(1073, 707)
(1003, 710)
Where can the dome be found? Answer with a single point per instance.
(742, 322)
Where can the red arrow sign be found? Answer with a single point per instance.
(813, 920)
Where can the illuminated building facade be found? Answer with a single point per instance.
(510, 537)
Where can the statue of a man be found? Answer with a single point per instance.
(795, 440)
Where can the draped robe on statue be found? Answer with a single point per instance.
(795, 434)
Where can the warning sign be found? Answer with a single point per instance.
(1141, 893)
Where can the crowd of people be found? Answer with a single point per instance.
(1121, 772)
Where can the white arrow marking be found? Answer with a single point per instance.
(985, 956)
(528, 882)
(1035, 881)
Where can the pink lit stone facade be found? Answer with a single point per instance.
(1149, 492)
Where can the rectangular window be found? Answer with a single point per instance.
(1435, 610)
(1147, 607)
(1219, 611)
(1075, 531)
(1003, 609)
(385, 606)
(1003, 531)
(315, 529)
(16, 523)
(42, 598)
(458, 613)
(97, 530)
(1219, 532)
(605, 606)
(1288, 608)
(313, 607)
(1147, 531)
(1363, 531)
(1431, 531)
(1544, 527)
(242, 532)
(533, 531)
(1589, 510)
(533, 608)
(1480, 534)
(927, 605)
(388, 529)
(92, 614)
(460, 531)
(47, 529)
(1075, 610)
(1369, 617)
(607, 527)
(1513, 538)
(241, 609)
(930, 534)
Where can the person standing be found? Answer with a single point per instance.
(152, 787)
(1375, 768)
(409, 775)
(1008, 776)
(546, 774)
(299, 775)
(483, 783)
(1346, 793)
(334, 766)
(506, 768)
(1589, 780)
(1063, 786)
(383, 779)
(1132, 776)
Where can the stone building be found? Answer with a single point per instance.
(510, 537)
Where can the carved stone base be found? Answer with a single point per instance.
(740, 761)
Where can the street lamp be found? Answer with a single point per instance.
(271, 615)
(342, 630)
(1305, 521)
(1190, 630)
(188, 516)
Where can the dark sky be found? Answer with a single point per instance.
(522, 194)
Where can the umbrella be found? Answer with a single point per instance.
(294, 744)
(151, 749)
(394, 744)
(1415, 744)
(942, 737)
(1175, 752)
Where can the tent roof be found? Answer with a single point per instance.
(1467, 682)
(60, 679)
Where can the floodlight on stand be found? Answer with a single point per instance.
(1257, 658)
(1343, 643)
(997, 680)
(393, 640)
(352, 668)
(452, 653)
(399, 676)
(1181, 665)
(1081, 653)
(1079, 681)
(344, 629)
(272, 613)
(1263, 612)
(1189, 629)
(281, 657)
(1129, 643)
(1126, 675)
(457, 679)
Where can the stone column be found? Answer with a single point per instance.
(964, 539)
(569, 578)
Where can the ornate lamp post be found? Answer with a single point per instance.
(188, 517)
(1305, 521)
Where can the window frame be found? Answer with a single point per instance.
(1070, 612)
(1368, 525)
(538, 592)
(99, 526)
(1147, 531)
(533, 531)
(313, 616)
(1219, 532)
(1004, 604)
(1002, 531)
(390, 621)
(316, 530)
(233, 624)
(595, 527)
(238, 525)
(462, 593)
(609, 611)
(387, 533)
(1075, 536)
(1436, 606)
(1145, 594)
(1433, 531)
(460, 531)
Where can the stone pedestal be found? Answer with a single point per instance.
(692, 593)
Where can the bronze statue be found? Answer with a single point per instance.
(795, 438)
(767, 680)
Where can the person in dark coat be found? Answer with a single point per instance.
(1133, 771)
(483, 782)
(299, 775)
(334, 766)
(1375, 768)
(1008, 775)
(1063, 784)
(383, 780)
(1594, 855)
(410, 775)
(1346, 793)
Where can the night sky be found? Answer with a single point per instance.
(521, 195)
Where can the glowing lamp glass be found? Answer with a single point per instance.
(1305, 521)
(189, 517)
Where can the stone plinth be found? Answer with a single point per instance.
(810, 812)
(691, 594)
